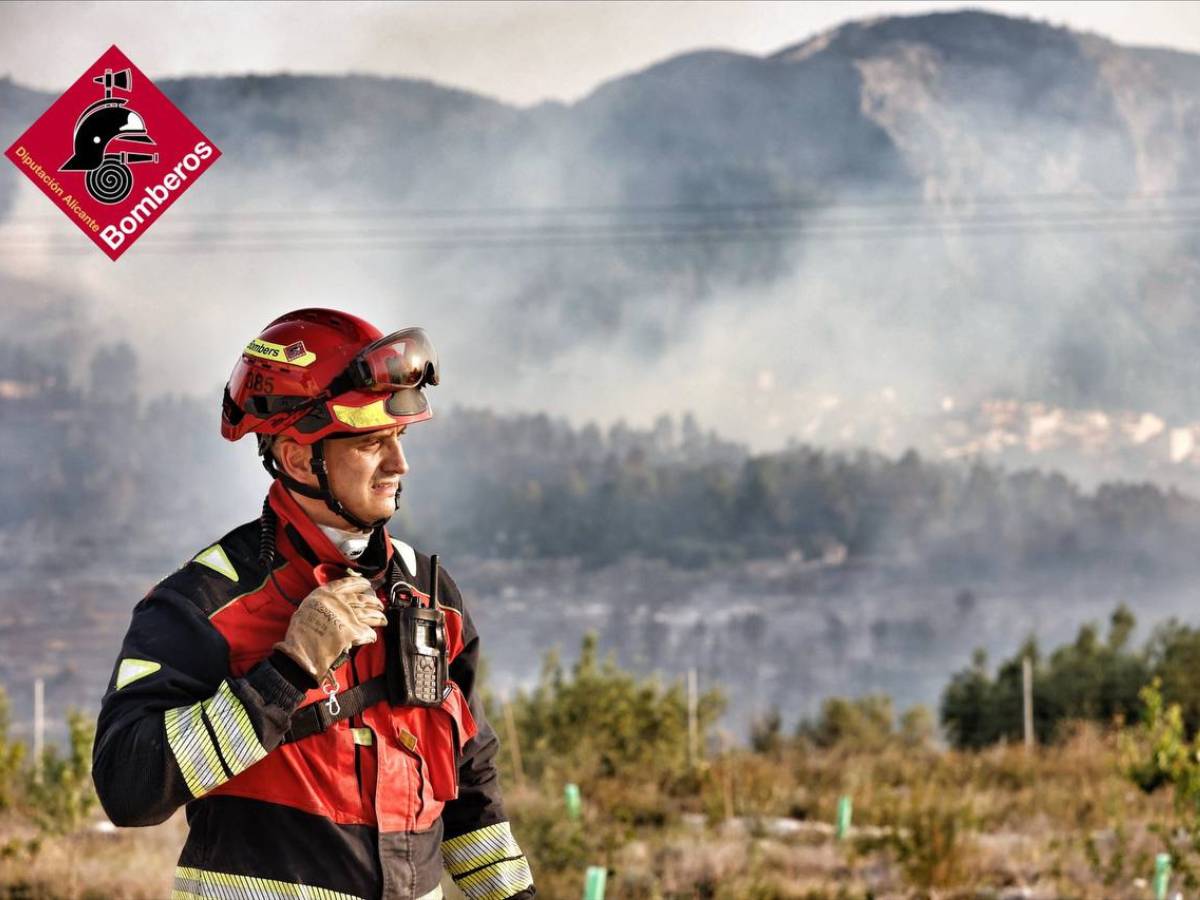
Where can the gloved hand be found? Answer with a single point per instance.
(332, 619)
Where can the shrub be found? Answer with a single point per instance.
(64, 796)
(12, 754)
(863, 722)
(929, 834)
(602, 722)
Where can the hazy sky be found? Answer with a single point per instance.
(520, 52)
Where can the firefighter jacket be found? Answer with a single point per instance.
(201, 711)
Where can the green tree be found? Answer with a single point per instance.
(766, 733)
(918, 727)
(1086, 679)
(862, 722)
(966, 707)
(1174, 653)
(601, 721)
(62, 799)
(12, 753)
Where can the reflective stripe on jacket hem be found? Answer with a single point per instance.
(198, 884)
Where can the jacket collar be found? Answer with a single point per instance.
(318, 544)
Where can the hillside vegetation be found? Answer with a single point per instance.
(1083, 814)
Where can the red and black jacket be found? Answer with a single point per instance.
(199, 710)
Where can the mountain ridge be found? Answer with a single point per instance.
(958, 203)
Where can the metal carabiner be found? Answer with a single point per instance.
(330, 686)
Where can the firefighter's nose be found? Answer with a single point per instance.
(395, 463)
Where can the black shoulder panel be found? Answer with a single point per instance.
(221, 571)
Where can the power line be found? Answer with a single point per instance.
(500, 240)
(825, 204)
(654, 228)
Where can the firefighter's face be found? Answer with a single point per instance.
(365, 471)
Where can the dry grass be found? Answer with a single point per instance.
(127, 864)
(1060, 822)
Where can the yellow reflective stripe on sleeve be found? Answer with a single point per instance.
(193, 749)
(476, 848)
(497, 881)
(240, 746)
(206, 885)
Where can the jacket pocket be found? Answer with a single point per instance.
(445, 730)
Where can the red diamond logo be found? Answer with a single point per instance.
(113, 153)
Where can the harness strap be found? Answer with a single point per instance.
(315, 717)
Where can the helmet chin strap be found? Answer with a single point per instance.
(324, 492)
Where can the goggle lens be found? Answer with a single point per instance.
(403, 360)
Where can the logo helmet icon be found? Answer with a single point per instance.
(108, 178)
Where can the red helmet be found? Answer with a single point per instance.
(316, 372)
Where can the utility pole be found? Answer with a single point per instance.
(514, 745)
(39, 726)
(693, 702)
(1027, 685)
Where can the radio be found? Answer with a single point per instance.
(417, 671)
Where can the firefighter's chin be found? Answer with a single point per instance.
(381, 497)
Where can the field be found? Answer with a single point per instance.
(1061, 821)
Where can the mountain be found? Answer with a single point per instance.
(962, 232)
(970, 99)
(958, 205)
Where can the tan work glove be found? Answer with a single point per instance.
(332, 619)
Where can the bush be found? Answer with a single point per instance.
(1088, 679)
(864, 723)
(12, 754)
(917, 727)
(64, 796)
(602, 722)
(766, 734)
(929, 834)
(1159, 753)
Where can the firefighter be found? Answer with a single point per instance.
(269, 685)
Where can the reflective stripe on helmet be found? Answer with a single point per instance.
(373, 415)
(295, 354)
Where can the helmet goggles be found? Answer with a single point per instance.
(401, 363)
(398, 365)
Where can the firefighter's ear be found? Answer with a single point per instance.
(293, 458)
